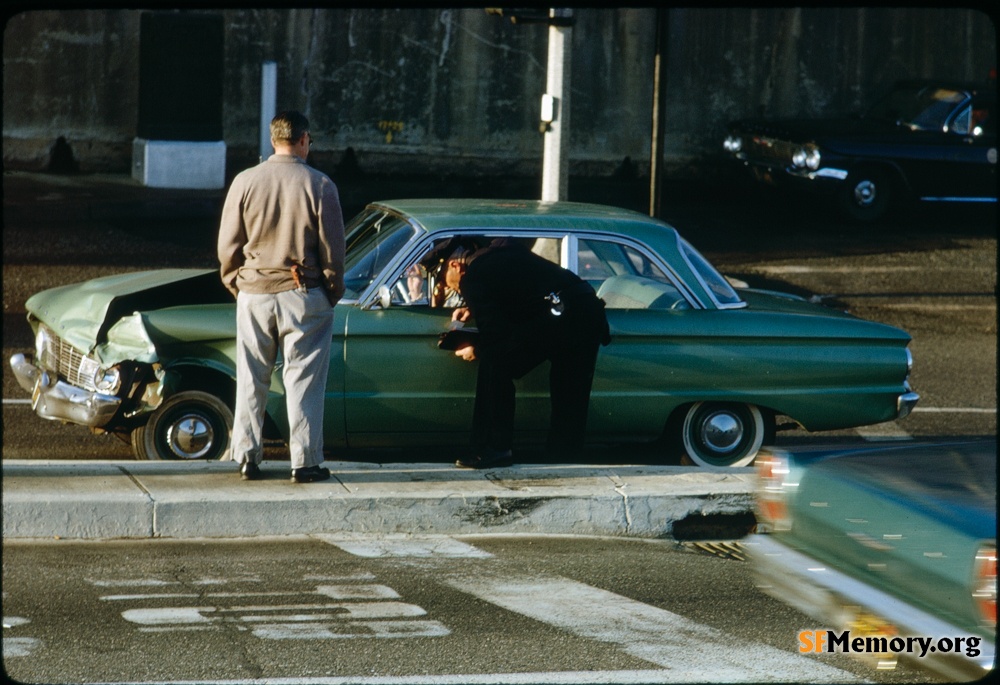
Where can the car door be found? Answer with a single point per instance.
(400, 388)
(650, 318)
(957, 162)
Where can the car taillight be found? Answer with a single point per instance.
(985, 584)
(772, 506)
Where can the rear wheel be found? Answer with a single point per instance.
(189, 425)
(722, 433)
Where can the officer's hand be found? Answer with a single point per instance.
(461, 314)
(467, 353)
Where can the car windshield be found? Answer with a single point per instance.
(723, 293)
(373, 239)
(920, 108)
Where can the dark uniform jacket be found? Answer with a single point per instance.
(506, 287)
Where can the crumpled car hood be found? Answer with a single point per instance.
(83, 314)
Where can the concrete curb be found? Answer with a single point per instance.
(105, 500)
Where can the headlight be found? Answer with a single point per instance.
(108, 380)
(807, 157)
(733, 143)
(42, 343)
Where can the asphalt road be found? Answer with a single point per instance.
(442, 610)
(930, 271)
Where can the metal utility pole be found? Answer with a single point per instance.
(268, 104)
(555, 109)
(554, 117)
(659, 116)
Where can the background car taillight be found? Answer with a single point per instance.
(772, 493)
(985, 585)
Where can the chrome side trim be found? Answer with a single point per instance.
(839, 174)
(958, 199)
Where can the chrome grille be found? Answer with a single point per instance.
(68, 362)
(764, 149)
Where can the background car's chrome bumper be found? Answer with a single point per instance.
(56, 400)
(826, 594)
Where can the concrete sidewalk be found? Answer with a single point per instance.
(105, 500)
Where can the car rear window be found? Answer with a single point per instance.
(716, 284)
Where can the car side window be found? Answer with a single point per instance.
(982, 119)
(975, 119)
(625, 278)
(431, 278)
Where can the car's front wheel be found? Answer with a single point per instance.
(722, 433)
(867, 195)
(189, 425)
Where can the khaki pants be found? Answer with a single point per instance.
(301, 326)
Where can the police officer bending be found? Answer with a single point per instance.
(528, 310)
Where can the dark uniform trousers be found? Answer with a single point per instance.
(519, 332)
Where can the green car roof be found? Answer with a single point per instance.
(445, 214)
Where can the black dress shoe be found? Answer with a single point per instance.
(310, 474)
(250, 471)
(486, 460)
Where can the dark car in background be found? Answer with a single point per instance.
(925, 141)
(890, 542)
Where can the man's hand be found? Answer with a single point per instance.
(467, 353)
(461, 314)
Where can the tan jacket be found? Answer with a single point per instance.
(280, 213)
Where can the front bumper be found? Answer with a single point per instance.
(59, 401)
(823, 181)
(834, 598)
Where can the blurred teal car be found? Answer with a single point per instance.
(700, 366)
(892, 542)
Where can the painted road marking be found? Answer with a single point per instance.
(363, 610)
(689, 650)
(398, 546)
(954, 410)
(18, 646)
(678, 644)
(809, 268)
(544, 678)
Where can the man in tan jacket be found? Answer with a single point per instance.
(281, 251)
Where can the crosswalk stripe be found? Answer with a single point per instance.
(679, 645)
(692, 652)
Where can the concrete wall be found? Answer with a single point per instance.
(431, 90)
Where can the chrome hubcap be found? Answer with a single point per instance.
(721, 432)
(864, 193)
(190, 437)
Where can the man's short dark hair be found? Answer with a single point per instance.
(289, 127)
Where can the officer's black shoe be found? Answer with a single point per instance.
(310, 474)
(486, 460)
(250, 471)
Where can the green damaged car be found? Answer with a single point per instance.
(695, 364)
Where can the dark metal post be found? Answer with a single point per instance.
(659, 115)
